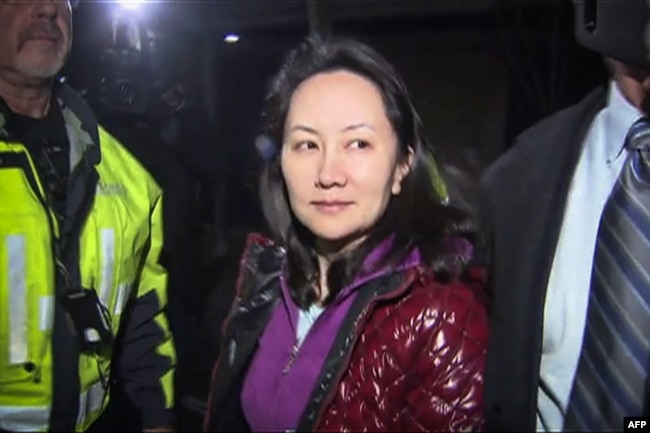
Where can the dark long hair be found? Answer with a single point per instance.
(417, 217)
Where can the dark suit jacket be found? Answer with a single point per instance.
(522, 198)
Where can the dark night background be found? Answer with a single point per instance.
(479, 71)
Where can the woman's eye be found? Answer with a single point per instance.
(305, 145)
(359, 144)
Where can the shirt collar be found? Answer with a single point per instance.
(619, 116)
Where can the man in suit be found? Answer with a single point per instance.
(544, 199)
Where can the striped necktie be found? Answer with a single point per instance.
(612, 376)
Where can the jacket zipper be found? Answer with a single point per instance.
(297, 345)
(292, 357)
(295, 349)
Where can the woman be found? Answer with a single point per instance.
(354, 316)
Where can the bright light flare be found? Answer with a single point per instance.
(130, 4)
(231, 38)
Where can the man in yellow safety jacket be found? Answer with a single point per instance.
(82, 293)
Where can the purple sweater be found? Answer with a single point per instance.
(276, 390)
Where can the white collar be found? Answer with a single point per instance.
(619, 116)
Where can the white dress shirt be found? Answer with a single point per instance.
(568, 287)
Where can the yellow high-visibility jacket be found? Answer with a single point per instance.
(110, 241)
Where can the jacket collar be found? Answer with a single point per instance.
(81, 124)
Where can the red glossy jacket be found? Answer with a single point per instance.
(418, 363)
(411, 360)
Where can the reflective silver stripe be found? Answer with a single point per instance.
(107, 247)
(46, 312)
(90, 401)
(17, 266)
(123, 292)
(24, 418)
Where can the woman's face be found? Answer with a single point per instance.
(340, 158)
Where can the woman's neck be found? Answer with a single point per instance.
(328, 252)
(322, 291)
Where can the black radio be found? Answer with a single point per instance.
(90, 320)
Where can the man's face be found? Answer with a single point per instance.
(35, 36)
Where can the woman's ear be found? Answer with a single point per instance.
(402, 169)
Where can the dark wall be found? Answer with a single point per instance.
(242, 73)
